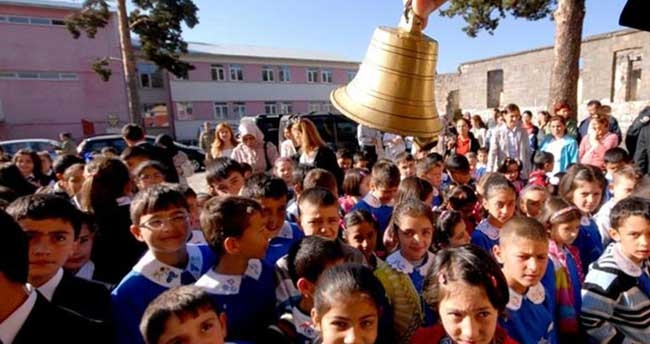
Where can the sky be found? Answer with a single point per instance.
(344, 27)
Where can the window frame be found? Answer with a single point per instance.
(236, 72)
(223, 110)
(219, 71)
(312, 75)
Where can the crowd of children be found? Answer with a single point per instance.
(428, 250)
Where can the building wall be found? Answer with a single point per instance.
(43, 108)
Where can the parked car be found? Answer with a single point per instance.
(10, 147)
(94, 144)
(336, 130)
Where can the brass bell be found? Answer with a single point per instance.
(393, 90)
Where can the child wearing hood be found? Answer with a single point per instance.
(252, 149)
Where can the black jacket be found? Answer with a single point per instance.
(161, 155)
(642, 154)
(92, 300)
(632, 134)
(326, 159)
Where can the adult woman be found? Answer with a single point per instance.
(465, 141)
(597, 142)
(313, 150)
(224, 141)
(563, 147)
(253, 150)
(479, 129)
(543, 118)
(182, 163)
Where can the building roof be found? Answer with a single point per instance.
(67, 4)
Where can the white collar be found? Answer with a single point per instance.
(220, 284)
(303, 323)
(48, 288)
(286, 232)
(536, 294)
(124, 200)
(397, 261)
(169, 276)
(623, 262)
(486, 228)
(86, 271)
(10, 327)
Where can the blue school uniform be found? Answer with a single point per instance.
(416, 274)
(306, 332)
(530, 318)
(248, 299)
(148, 279)
(589, 242)
(381, 212)
(279, 246)
(485, 236)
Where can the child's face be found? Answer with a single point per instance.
(501, 205)
(204, 328)
(255, 239)
(164, 231)
(415, 235)
(512, 173)
(148, 177)
(612, 167)
(523, 260)
(587, 196)
(51, 243)
(532, 201)
(406, 168)
(46, 164)
(433, 176)
(321, 221)
(353, 319)
(467, 314)
(73, 182)
(549, 166)
(81, 252)
(482, 157)
(274, 211)
(25, 164)
(344, 163)
(634, 238)
(622, 187)
(565, 233)
(472, 162)
(461, 177)
(460, 236)
(284, 170)
(383, 193)
(229, 186)
(362, 237)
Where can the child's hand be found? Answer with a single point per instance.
(422, 8)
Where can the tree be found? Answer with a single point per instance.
(158, 26)
(568, 15)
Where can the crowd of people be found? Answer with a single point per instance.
(514, 233)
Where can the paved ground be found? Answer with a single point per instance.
(197, 182)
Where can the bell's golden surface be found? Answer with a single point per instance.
(394, 88)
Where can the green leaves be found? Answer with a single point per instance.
(93, 16)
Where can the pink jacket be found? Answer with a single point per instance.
(595, 155)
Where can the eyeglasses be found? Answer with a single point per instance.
(147, 177)
(157, 224)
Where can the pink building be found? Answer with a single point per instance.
(46, 83)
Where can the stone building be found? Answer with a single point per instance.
(611, 68)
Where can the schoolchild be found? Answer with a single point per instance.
(615, 158)
(616, 292)
(431, 168)
(414, 188)
(283, 168)
(321, 178)
(458, 170)
(160, 217)
(297, 184)
(79, 263)
(543, 167)
(271, 193)
(464, 200)
(384, 181)
(361, 159)
(523, 253)
(622, 185)
(531, 200)
(240, 282)
(406, 164)
(481, 164)
(451, 230)
(344, 159)
(149, 173)
(356, 184)
(500, 202)
(224, 176)
(511, 169)
(184, 314)
(465, 284)
(194, 206)
(52, 225)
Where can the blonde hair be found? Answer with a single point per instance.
(310, 138)
(217, 144)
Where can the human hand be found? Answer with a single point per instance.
(422, 8)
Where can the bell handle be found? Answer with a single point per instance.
(409, 21)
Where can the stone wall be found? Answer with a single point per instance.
(612, 71)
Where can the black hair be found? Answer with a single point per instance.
(320, 177)
(425, 164)
(445, 225)
(352, 181)
(542, 158)
(594, 102)
(627, 207)
(468, 264)
(359, 216)
(62, 162)
(385, 174)
(221, 168)
(224, 217)
(343, 153)
(461, 196)
(11, 177)
(616, 155)
(413, 187)
(503, 168)
(457, 163)
(412, 208)
(156, 198)
(310, 256)
(151, 164)
(14, 250)
(523, 227)
(45, 207)
(132, 132)
(262, 185)
(496, 183)
(577, 174)
(299, 174)
(179, 301)
(135, 152)
(319, 197)
(165, 141)
(7, 196)
(344, 281)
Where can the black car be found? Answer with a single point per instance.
(336, 130)
(93, 145)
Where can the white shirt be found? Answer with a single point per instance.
(49, 287)
(9, 327)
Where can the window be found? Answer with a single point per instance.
(314, 107)
(155, 115)
(220, 111)
(239, 109)
(326, 76)
(284, 74)
(184, 111)
(494, 88)
(28, 75)
(19, 20)
(270, 108)
(326, 107)
(58, 22)
(150, 76)
(628, 67)
(31, 20)
(286, 107)
(184, 76)
(236, 73)
(351, 74)
(267, 74)
(3, 19)
(217, 72)
(312, 75)
(40, 21)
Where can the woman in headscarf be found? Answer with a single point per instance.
(253, 150)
